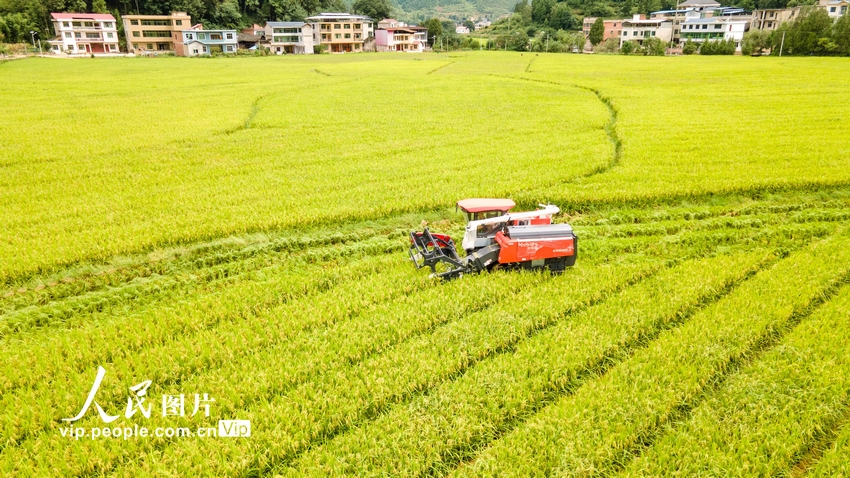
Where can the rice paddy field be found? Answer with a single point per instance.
(236, 229)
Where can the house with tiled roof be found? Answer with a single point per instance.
(84, 33)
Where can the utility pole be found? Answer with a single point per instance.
(675, 16)
(547, 42)
(32, 34)
(40, 51)
(781, 45)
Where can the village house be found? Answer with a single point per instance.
(700, 30)
(639, 29)
(613, 28)
(290, 37)
(770, 18)
(153, 34)
(197, 41)
(341, 32)
(84, 33)
(393, 35)
(834, 8)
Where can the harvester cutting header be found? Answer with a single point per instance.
(497, 238)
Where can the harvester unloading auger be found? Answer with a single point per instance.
(495, 238)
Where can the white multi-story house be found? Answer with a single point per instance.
(341, 32)
(197, 41)
(639, 29)
(393, 35)
(700, 30)
(290, 37)
(86, 33)
(834, 8)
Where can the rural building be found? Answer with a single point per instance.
(639, 29)
(290, 37)
(769, 19)
(699, 5)
(675, 16)
(197, 41)
(613, 29)
(834, 8)
(152, 34)
(341, 32)
(461, 30)
(700, 30)
(84, 33)
(393, 35)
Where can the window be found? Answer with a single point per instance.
(78, 24)
(134, 22)
(178, 22)
(111, 47)
(55, 47)
(109, 35)
(230, 36)
(337, 26)
(705, 27)
(357, 26)
(831, 9)
(229, 47)
(195, 51)
(136, 34)
(66, 24)
(215, 36)
(155, 34)
(190, 36)
(92, 35)
(150, 46)
(356, 36)
(89, 24)
(77, 35)
(67, 34)
(206, 49)
(202, 36)
(337, 36)
(107, 25)
(717, 27)
(157, 23)
(653, 33)
(347, 26)
(771, 14)
(348, 35)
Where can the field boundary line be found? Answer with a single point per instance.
(441, 67)
(608, 359)
(763, 343)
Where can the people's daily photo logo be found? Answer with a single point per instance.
(141, 406)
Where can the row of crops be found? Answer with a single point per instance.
(348, 361)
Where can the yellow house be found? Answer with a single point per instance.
(341, 32)
(153, 33)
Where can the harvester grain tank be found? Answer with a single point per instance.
(497, 238)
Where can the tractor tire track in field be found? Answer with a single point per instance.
(610, 127)
(466, 453)
(824, 437)
(765, 342)
(441, 67)
(255, 470)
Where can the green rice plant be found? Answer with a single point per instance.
(440, 429)
(581, 434)
(765, 418)
(835, 461)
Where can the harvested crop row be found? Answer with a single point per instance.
(582, 434)
(154, 324)
(342, 397)
(61, 312)
(242, 331)
(440, 429)
(256, 378)
(767, 415)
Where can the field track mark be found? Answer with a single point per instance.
(763, 343)
(320, 72)
(823, 439)
(506, 347)
(441, 67)
(528, 66)
(466, 453)
(610, 127)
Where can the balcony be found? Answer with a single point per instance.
(89, 40)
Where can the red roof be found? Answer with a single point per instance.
(82, 16)
(482, 204)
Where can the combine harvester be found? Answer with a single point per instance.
(495, 238)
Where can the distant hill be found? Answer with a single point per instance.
(419, 10)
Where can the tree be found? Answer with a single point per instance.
(540, 10)
(377, 9)
(518, 41)
(597, 32)
(16, 27)
(653, 46)
(468, 24)
(719, 47)
(561, 17)
(524, 9)
(435, 29)
(608, 46)
(803, 35)
(754, 42)
(629, 47)
(690, 47)
(99, 6)
(841, 35)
